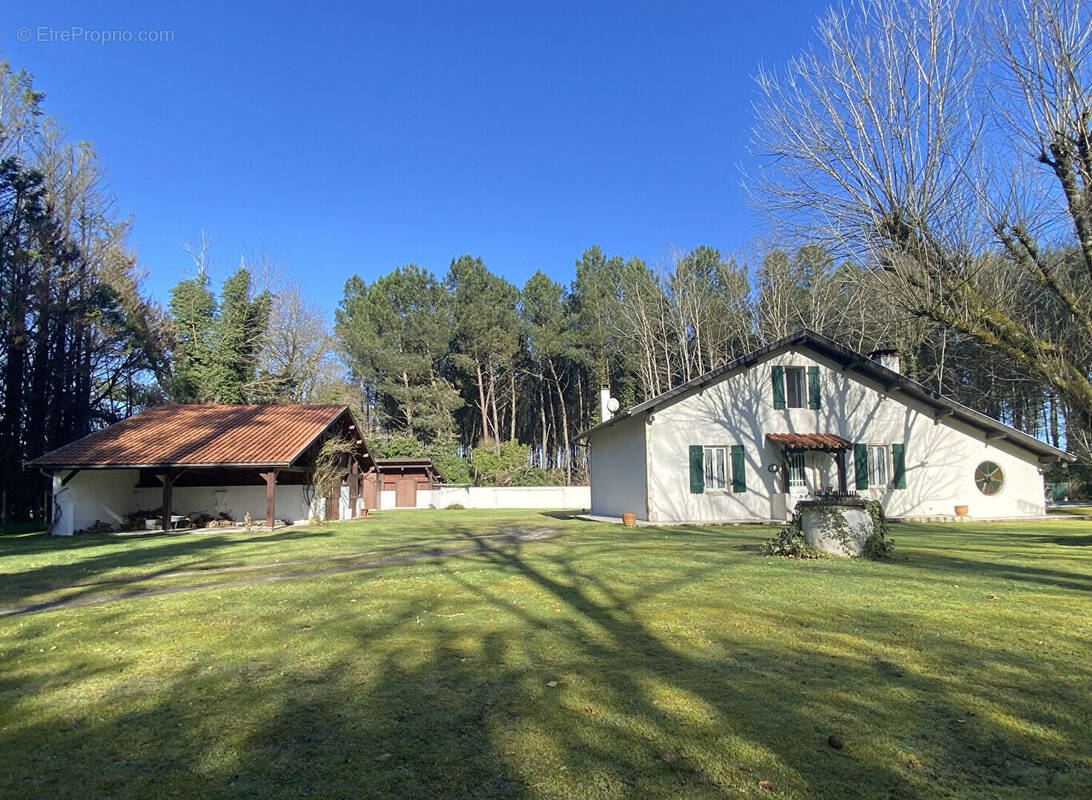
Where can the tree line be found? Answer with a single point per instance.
(929, 195)
(465, 362)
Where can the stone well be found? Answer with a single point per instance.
(838, 527)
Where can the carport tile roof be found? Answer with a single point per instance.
(199, 435)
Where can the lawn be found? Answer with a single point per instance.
(517, 654)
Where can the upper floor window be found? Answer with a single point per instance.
(796, 391)
(796, 387)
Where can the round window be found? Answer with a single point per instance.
(988, 478)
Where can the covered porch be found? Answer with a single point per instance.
(807, 463)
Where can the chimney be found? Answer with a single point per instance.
(607, 404)
(888, 359)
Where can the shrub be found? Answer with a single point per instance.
(499, 463)
(790, 543)
(877, 546)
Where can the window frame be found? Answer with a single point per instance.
(996, 474)
(713, 481)
(798, 377)
(874, 463)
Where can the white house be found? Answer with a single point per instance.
(748, 440)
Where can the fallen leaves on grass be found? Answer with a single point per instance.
(765, 785)
(835, 741)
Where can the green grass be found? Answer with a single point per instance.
(600, 663)
(1083, 511)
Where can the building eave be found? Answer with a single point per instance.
(850, 360)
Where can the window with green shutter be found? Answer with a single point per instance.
(860, 465)
(778, 376)
(813, 387)
(898, 456)
(697, 469)
(739, 469)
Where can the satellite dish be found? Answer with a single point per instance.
(612, 405)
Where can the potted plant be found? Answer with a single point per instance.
(629, 519)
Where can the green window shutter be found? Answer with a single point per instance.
(739, 469)
(778, 375)
(697, 469)
(860, 465)
(813, 387)
(898, 455)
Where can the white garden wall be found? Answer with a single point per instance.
(511, 497)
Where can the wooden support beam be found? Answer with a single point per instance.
(840, 461)
(354, 485)
(69, 477)
(167, 479)
(270, 479)
(994, 436)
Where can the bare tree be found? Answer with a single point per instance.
(890, 140)
(296, 358)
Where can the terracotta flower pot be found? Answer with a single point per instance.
(961, 511)
(629, 519)
(363, 512)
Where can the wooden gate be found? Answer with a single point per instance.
(405, 493)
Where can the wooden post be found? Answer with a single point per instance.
(5, 511)
(840, 459)
(270, 494)
(167, 479)
(354, 485)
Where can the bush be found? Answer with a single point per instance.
(537, 476)
(790, 543)
(877, 547)
(499, 463)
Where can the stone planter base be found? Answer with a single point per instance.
(835, 528)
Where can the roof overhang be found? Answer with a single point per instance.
(848, 360)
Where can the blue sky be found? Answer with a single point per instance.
(359, 138)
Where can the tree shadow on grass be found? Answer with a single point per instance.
(552, 678)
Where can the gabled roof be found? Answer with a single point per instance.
(852, 361)
(200, 436)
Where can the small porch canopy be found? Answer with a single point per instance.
(790, 443)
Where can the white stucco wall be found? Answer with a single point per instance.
(105, 495)
(511, 497)
(940, 457)
(110, 495)
(618, 470)
(290, 502)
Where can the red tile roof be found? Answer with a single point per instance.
(809, 441)
(193, 435)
